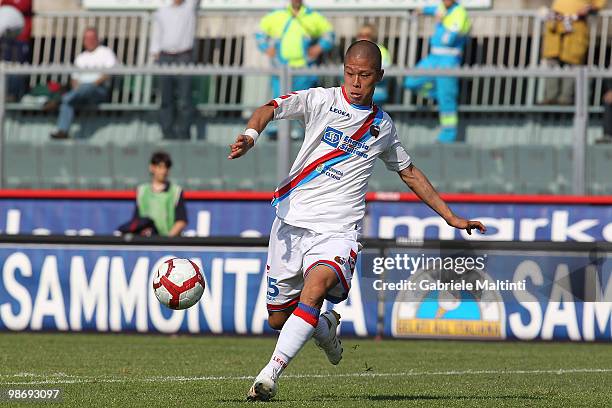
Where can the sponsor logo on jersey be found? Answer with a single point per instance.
(329, 172)
(336, 138)
(339, 260)
(332, 136)
(339, 112)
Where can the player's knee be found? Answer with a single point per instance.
(277, 320)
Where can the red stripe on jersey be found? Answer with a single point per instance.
(331, 155)
(286, 305)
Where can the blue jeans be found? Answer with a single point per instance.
(16, 51)
(444, 90)
(83, 95)
(177, 109)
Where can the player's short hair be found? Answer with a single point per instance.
(365, 49)
(161, 157)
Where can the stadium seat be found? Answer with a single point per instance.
(384, 180)
(93, 168)
(460, 167)
(130, 164)
(176, 151)
(21, 165)
(564, 164)
(57, 165)
(498, 169)
(428, 158)
(241, 174)
(536, 171)
(599, 167)
(266, 153)
(203, 165)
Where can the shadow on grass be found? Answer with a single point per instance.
(398, 397)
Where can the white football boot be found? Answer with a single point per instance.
(332, 346)
(263, 389)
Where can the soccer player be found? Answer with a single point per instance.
(319, 207)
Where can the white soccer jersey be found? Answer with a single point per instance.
(326, 187)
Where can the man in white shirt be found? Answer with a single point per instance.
(320, 206)
(172, 37)
(87, 87)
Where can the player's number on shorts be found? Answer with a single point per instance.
(273, 290)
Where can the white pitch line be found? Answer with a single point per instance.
(69, 379)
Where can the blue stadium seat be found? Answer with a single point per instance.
(21, 165)
(57, 165)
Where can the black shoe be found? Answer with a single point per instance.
(59, 135)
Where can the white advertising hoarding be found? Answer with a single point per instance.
(234, 5)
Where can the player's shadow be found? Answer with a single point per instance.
(445, 397)
(398, 397)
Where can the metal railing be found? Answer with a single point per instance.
(580, 75)
(499, 38)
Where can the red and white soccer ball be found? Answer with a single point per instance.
(178, 283)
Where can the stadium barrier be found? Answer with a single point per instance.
(508, 291)
(249, 214)
(502, 38)
(581, 76)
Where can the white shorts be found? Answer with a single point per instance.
(293, 252)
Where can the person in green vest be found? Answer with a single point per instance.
(160, 200)
(296, 36)
(370, 32)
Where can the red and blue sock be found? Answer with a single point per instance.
(298, 329)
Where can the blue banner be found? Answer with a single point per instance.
(511, 295)
(506, 222)
(527, 295)
(109, 289)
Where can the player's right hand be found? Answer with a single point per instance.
(242, 145)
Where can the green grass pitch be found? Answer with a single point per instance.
(198, 371)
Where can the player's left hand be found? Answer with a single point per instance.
(239, 148)
(467, 225)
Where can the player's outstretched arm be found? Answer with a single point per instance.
(259, 120)
(418, 182)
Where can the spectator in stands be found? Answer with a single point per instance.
(160, 206)
(607, 99)
(370, 32)
(87, 87)
(296, 36)
(172, 43)
(446, 49)
(566, 42)
(16, 33)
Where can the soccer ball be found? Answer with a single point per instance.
(178, 283)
